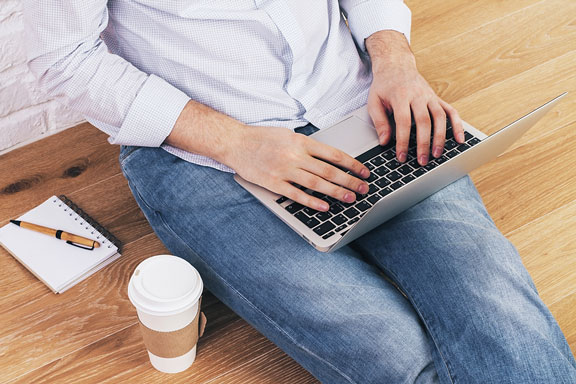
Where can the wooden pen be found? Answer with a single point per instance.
(68, 237)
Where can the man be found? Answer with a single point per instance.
(224, 86)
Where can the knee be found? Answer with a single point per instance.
(367, 350)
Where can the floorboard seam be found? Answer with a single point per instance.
(71, 352)
(482, 25)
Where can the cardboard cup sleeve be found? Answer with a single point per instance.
(175, 343)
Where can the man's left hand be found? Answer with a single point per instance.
(399, 92)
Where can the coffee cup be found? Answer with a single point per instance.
(166, 291)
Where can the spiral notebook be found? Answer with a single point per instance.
(58, 264)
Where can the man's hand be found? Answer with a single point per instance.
(274, 158)
(399, 92)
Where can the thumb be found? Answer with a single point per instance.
(379, 117)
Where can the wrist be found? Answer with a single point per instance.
(234, 144)
(389, 48)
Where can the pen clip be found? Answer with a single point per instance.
(80, 246)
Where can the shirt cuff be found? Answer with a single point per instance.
(369, 17)
(152, 115)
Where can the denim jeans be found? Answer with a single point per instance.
(437, 294)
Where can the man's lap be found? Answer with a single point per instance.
(308, 302)
(321, 307)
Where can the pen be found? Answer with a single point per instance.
(68, 237)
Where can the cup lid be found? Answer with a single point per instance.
(164, 285)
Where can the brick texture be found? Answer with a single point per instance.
(26, 114)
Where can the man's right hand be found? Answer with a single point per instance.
(274, 158)
(277, 158)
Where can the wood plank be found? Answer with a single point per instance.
(475, 60)
(122, 357)
(504, 102)
(433, 23)
(31, 174)
(564, 312)
(547, 246)
(274, 367)
(520, 186)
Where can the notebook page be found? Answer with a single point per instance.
(52, 260)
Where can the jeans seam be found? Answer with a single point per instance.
(266, 317)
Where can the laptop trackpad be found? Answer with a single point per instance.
(353, 136)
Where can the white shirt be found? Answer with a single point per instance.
(130, 66)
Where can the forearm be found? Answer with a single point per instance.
(202, 130)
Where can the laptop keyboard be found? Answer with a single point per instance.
(386, 176)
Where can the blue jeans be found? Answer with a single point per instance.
(436, 294)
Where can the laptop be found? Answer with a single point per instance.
(394, 186)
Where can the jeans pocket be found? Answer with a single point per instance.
(125, 152)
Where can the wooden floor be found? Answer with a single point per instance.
(493, 59)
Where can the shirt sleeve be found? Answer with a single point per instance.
(366, 17)
(70, 60)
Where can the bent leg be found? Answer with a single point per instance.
(468, 283)
(333, 313)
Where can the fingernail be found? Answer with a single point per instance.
(402, 157)
(349, 197)
(322, 206)
(382, 139)
(423, 160)
(362, 189)
(460, 137)
(437, 151)
(365, 173)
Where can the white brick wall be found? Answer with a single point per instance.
(26, 114)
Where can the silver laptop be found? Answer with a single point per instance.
(394, 186)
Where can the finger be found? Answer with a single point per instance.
(297, 195)
(335, 176)
(455, 120)
(336, 157)
(379, 117)
(318, 184)
(403, 122)
(439, 118)
(423, 131)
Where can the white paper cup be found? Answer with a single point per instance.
(165, 290)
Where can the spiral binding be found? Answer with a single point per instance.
(103, 231)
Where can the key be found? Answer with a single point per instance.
(374, 199)
(377, 161)
(322, 229)
(382, 183)
(385, 192)
(351, 212)
(381, 171)
(323, 216)
(363, 206)
(339, 219)
(294, 207)
(405, 169)
(393, 176)
(336, 208)
(328, 235)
